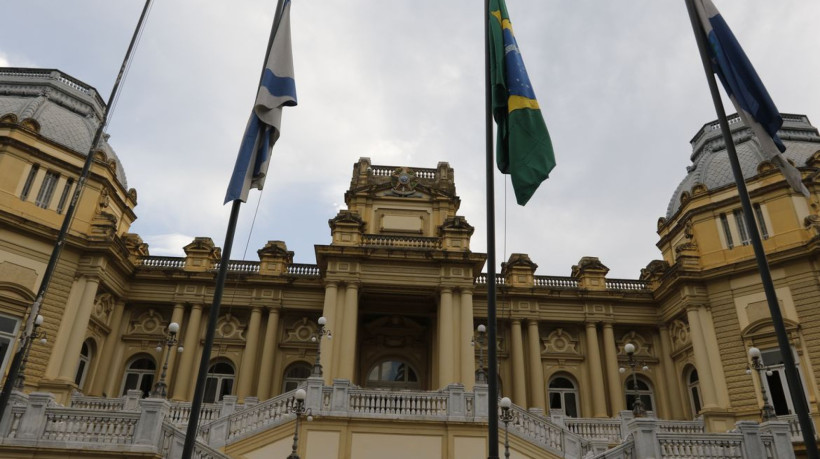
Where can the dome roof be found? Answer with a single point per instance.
(67, 110)
(710, 162)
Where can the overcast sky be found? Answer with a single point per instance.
(620, 85)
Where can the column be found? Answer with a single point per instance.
(68, 369)
(264, 389)
(519, 382)
(596, 377)
(467, 333)
(248, 367)
(329, 312)
(707, 382)
(188, 362)
(715, 360)
(537, 383)
(672, 379)
(176, 316)
(446, 375)
(348, 334)
(616, 392)
(107, 351)
(64, 332)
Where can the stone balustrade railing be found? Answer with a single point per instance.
(302, 269)
(90, 424)
(717, 446)
(607, 429)
(625, 450)
(404, 242)
(625, 284)
(405, 404)
(546, 434)
(162, 262)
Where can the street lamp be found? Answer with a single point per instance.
(637, 406)
(317, 366)
(506, 416)
(481, 340)
(298, 409)
(160, 388)
(21, 377)
(767, 413)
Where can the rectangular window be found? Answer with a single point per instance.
(741, 227)
(47, 189)
(32, 174)
(8, 332)
(724, 222)
(761, 223)
(64, 196)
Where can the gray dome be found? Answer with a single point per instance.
(67, 110)
(710, 161)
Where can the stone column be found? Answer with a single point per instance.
(715, 360)
(264, 390)
(188, 362)
(613, 379)
(537, 383)
(595, 374)
(107, 351)
(248, 368)
(707, 381)
(329, 312)
(349, 333)
(446, 355)
(467, 333)
(79, 328)
(672, 379)
(58, 357)
(519, 381)
(176, 316)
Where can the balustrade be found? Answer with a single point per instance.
(410, 242)
(398, 403)
(76, 425)
(723, 446)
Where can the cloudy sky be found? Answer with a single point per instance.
(620, 84)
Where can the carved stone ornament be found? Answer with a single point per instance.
(457, 223)
(679, 334)
(300, 331)
(561, 342)
(589, 264)
(404, 181)
(346, 217)
(655, 268)
(149, 322)
(228, 326)
(103, 305)
(642, 345)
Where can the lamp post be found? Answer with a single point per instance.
(160, 388)
(480, 339)
(298, 409)
(317, 366)
(767, 413)
(506, 416)
(35, 333)
(637, 406)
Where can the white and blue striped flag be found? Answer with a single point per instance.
(746, 91)
(277, 90)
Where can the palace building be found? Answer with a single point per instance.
(402, 296)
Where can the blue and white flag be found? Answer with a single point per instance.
(277, 90)
(746, 91)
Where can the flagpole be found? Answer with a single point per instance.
(492, 357)
(26, 336)
(792, 377)
(213, 314)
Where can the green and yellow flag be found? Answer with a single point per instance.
(524, 147)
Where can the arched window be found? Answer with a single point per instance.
(82, 366)
(693, 383)
(563, 395)
(644, 390)
(393, 374)
(139, 374)
(219, 382)
(295, 374)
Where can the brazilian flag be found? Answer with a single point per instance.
(524, 147)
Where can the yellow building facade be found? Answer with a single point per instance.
(402, 294)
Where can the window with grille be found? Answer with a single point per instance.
(32, 174)
(47, 189)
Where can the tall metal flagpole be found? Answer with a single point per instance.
(798, 395)
(213, 314)
(492, 326)
(26, 336)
